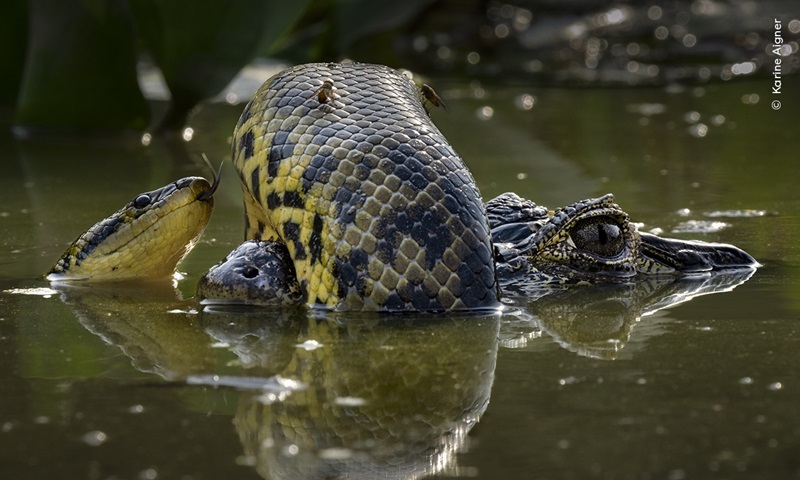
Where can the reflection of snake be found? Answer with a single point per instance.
(354, 199)
(405, 416)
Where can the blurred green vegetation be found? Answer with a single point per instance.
(77, 66)
(73, 63)
(13, 35)
(81, 67)
(82, 55)
(200, 49)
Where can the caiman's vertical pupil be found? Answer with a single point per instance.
(601, 234)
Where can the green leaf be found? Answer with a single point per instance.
(200, 47)
(13, 42)
(81, 67)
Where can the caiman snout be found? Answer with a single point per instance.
(693, 256)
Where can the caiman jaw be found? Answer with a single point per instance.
(668, 255)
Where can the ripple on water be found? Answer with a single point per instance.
(350, 401)
(698, 130)
(148, 474)
(746, 213)
(309, 345)
(775, 386)
(42, 292)
(95, 438)
(646, 109)
(485, 113)
(700, 226)
(277, 384)
(335, 454)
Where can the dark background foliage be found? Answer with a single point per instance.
(73, 63)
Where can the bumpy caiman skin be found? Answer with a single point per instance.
(342, 165)
(592, 241)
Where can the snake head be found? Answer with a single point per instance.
(144, 239)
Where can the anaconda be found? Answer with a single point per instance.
(146, 238)
(355, 200)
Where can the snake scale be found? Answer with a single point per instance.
(342, 164)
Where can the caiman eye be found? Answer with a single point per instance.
(600, 236)
(141, 201)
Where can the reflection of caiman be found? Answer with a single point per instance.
(354, 200)
(598, 322)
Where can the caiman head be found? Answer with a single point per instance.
(593, 241)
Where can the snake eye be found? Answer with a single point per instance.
(141, 201)
(600, 236)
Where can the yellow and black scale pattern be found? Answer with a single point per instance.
(341, 163)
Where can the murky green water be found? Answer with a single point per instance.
(660, 381)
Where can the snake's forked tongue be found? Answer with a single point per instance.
(214, 185)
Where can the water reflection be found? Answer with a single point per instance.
(597, 321)
(328, 397)
(143, 320)
(360, 396)
(384, 399)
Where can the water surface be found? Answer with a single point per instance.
(695, 379)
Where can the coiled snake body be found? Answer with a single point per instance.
(341, 163)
